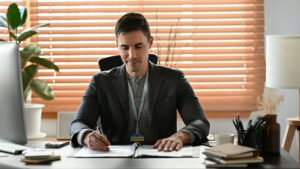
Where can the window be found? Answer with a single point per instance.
(219, 45)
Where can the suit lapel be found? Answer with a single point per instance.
(120, 85)
(155, 81)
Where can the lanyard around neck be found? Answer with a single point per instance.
(135, 113)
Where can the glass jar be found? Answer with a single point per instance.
(271, 136)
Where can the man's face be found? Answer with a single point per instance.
(134, 49)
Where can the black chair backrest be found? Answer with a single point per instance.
(110, 62)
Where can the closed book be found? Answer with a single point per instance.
(38, 155)
(256, 159)
(213, 164)
(231, 151)
(40, 160)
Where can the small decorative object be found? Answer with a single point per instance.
(271, 137)
(269, 103)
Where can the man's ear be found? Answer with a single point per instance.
(117, 42)
(150, 41)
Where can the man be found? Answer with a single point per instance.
(138, 100)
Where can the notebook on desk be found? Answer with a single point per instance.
(134, 150)
(3, 154)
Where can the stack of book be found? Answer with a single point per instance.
(231, 154)
(39, 157)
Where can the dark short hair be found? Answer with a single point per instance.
(132, 22)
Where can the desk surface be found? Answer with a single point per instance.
(282, 161)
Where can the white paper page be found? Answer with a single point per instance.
(147, 150)
(3, 154)
(114, 151)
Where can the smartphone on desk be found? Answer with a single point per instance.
(56, 144)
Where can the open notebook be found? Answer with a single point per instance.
(135, 150)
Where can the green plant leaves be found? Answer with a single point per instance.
(13, 16)
(26, 34)
(41, 25)
(23, 15)
(12, 35)
(25, 56)
(44, 62)
(30, 60)
(27, 76)
(42, 89)
(29, 32)
(33, 48)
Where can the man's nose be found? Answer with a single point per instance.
(132, 53)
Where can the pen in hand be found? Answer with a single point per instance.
(99, 129)
(104, 140)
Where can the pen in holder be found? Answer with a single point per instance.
(252, 136)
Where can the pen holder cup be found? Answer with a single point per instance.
(252, 139)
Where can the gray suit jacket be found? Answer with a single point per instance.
(107, 96)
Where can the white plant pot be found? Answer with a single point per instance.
(33, 117)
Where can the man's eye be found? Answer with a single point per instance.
(124, 48)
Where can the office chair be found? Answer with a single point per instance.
(110, 62)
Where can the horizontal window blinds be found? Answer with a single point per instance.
(218, 44)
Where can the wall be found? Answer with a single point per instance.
(281, 17)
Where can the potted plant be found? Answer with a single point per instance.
(268, 103)
(30, 64)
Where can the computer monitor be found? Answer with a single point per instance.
(12, 125)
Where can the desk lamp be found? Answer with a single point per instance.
(283, 71)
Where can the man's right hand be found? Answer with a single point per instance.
(96, 141)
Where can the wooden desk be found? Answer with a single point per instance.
(282, 161)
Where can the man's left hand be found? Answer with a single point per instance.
(172, 143)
